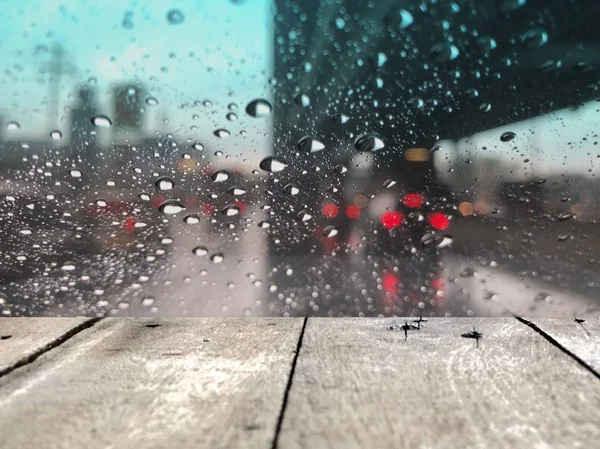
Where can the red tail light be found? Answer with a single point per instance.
(413, 200)
(156, 201)
(390, 283)
(129, 224)
(241, 205)
(438, 220)
(353, 212)
(330, 210)
(392, 219)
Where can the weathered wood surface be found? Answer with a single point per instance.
(189, 383)
(359, 385)
(579, 336)
(24, 338)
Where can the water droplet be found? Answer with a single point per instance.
(110, 183)
(566, 216)
(147, 301)
(217, 258)
(369, 142)
(75, 173)
(164, 183)
(507, 136)
(485, 107)
(340, 23)
(436, 240)
(416, 103)
(175, 17)
(144, 197)
(259, 108)
(511, 5)
(166, 240)
(198, 146)
(563, 237)
(291, 189)
(330, 231)
(101, 121)
(341, 169)
(200, 251)
(191, 219)
(68, 266)
(406, 18)
(264, 224)
(186, 156)
(100, 202)
(236, 191)
(151, 101)
(272, 164)
(534, 38)
(302, 100)
(304, 216)
(171, 207)
(444, 51)
(220, 176)
(12, 126)
(221, 133)
(310, 145)
(230, 210)
(389, 183)
(56, 135)
(232, 116)
(26, 231)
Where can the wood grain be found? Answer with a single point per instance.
(360, 385)
(581, 337)
(187, 383)
(23, 338)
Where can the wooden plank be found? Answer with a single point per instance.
(358, 385)
(581, 337)
(188, 383)
(21, 339)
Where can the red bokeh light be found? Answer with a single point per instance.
(390, 283)
(412, 200)
(392, 219)
(156, 201)
(439, 221)
(129, 224)
(353, 212)
(330, 210)
(241, 205)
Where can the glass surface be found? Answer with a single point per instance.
(332, 158)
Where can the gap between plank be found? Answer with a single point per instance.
(556, 344)
(49, 346)
(288, 387)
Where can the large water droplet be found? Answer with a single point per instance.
(217, 258)
(171, 207)
(264, 224)
(273, 164)
(200, 251)
(75, 173)
(236, 190)
(389, 183)
(406, 18)
(534, 38)
(144, 197)
(68, 266)
(151, 101)
(230, 210)
(191, 219)
(444, 51)
(220, 176)
(175, 17)
(291, 189)
(369, 142)
(221, 133)
(507, 136)
(101, 121)
(259, 108)
(304, 216)
(302, 100)
(12, 126)
(164, 183)
(309, 144)
(232, 116)
(330, 231)
(56, 135)
(198, 146)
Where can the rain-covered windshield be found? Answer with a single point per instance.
(299, 157)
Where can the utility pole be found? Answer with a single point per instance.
(56, 68)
